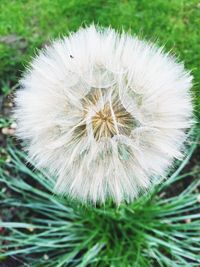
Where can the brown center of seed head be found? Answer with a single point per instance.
(109, 120)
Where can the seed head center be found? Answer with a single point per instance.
(111, 119)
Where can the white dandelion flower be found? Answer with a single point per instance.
(105, 113)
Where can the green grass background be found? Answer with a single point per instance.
(173, 23)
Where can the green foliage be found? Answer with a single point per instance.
(28, 25)
(5, 122)
(159, 229)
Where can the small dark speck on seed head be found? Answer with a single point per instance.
(71, 56)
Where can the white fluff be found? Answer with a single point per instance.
(105, 113)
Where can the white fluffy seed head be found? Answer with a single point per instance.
(105, 113)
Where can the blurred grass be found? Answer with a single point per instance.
(28, 24)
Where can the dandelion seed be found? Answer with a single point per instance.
(46, 257)
(31, 229)
(13, 125)
(188, 220)
(8, 131)
(104, 113)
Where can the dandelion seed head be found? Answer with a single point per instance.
(104, 113)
